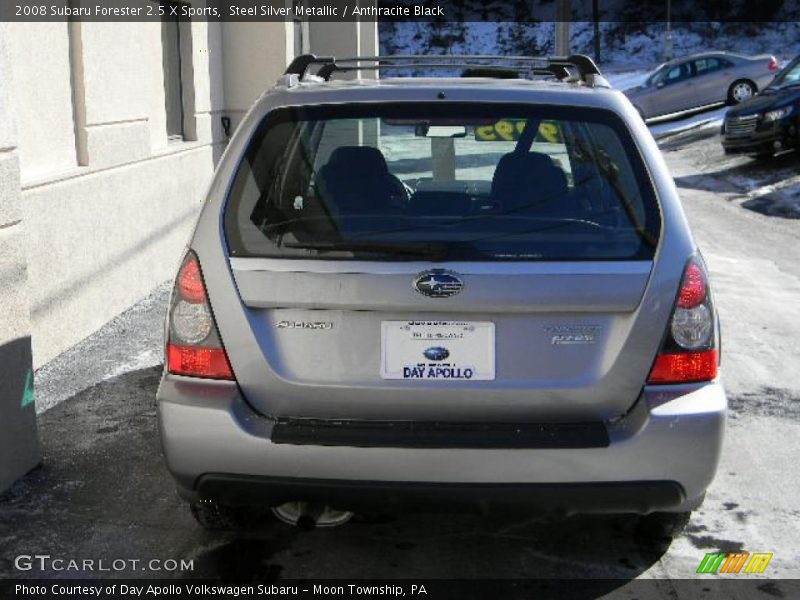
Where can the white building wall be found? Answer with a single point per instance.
(106, 218)
(39, 57)
(100, 242)
(18, 444)
(254, 56)
(97, 200)
(123, 90)
(209, 89)
(13, 293)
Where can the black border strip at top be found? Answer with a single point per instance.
(639, 12)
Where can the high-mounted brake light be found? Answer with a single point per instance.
(689, 352)
(773, 64)
(194, 348)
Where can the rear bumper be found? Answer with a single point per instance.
(639, 496)
(661, 456)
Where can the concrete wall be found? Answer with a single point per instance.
(97, 201)
(43, 95)
(344, 39)
(98, 243)
(107, 199)
(254, 56)
(18, 444)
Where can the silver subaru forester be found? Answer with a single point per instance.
(478, 288)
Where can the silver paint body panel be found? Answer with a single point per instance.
(214, 427)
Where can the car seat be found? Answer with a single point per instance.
(529, 184)
(357, 181)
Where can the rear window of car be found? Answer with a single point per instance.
(445, 181)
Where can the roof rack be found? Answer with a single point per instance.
(575, 67)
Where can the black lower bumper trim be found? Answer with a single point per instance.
(565, 498)
(757, 144)
(414, 434)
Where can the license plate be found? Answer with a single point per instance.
(437, 350)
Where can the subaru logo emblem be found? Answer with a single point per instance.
(438, 283)
(436, 353)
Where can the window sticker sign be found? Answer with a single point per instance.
(510, 130)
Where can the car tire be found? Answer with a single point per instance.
(219, 517)
(741, 90)
(662, 525)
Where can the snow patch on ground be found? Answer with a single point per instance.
(625, 79)
(706, 119)
(129, 342)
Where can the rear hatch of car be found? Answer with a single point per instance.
(442, 262)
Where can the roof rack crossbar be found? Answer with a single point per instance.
(559, 66)
(300, 64)
(329, 69)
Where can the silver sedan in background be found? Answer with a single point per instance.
(702, 80)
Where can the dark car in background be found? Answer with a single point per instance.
(700, 81)
(769, 122)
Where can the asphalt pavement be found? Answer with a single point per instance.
(103, 491)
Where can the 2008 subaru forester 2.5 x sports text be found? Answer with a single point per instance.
(462, 288)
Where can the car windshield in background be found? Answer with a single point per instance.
(789, 76)
(490, 182)
(657, 77)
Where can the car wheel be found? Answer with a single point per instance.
(740, 91)
(662, 525)
(218, 517)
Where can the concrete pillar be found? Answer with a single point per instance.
(347, 39)
(341, 39)
(254, 56)
(562, 28)
(19, 451)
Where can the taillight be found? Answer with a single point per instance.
(773, 64)
(190, 282)
(194, 348)
(693, 287)
(689, 352)
(684, 367)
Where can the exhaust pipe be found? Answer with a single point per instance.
(310, 515)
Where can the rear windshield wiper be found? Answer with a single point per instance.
(426, 250)
(611, 174)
